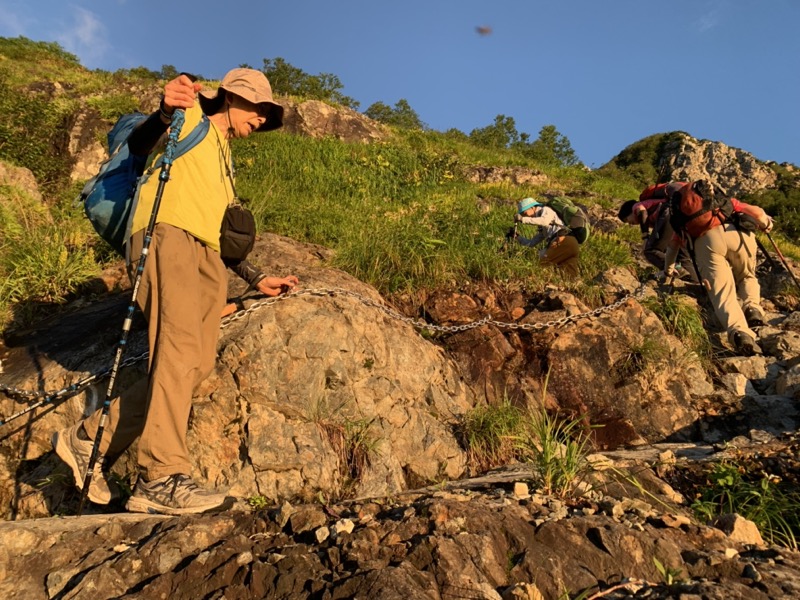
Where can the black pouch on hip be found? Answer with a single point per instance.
(238, 233)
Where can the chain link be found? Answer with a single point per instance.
(332, 292)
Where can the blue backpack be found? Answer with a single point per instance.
(108, 196)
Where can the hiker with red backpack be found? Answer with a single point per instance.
(652, 213)
(562, 247)
(183, 282)
(719, 232)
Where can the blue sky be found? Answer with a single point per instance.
(605, 72)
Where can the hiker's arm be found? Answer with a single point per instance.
(530, 242)
(178, 93)
(145, 137)
(275, 286)
(670, 256)
(539, 219)
(257, 280)
(641, 219)
(756, 213)
(269, 286)
(246, 270)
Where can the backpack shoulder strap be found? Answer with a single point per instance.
(195, 136)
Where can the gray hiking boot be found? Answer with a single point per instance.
(745, 344)
(74, 447)
(754, 316)
(175, 495)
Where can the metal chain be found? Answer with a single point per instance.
(331, 292)
(74, 388)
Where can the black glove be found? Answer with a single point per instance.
(511, 233)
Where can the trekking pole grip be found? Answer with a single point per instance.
(175, 126)
(178, 118)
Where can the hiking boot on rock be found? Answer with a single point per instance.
(175, 495)
(74, 447)
(754, 316)
(744, 344)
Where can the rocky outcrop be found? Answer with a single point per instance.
(508, 175)
(294, 380)
(734, 170)
(20, 178)
(297, 376)
(317, 119)
(87, 152)
(653, 376)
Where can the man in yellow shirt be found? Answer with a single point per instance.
(182, 293)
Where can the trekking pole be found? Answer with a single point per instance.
(783, 259)
(163, 177)
(769, 258)
(509, 236)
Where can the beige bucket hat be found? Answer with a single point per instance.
(251, 85)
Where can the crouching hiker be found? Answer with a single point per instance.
(182, 294)
(719, 231)
(652, 214)
(562, 245)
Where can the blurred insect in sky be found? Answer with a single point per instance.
(483, 30)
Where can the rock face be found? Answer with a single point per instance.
(306, 390)
(21, 178)
(481, 542)
(512, 175)
(606, 370)
(88, 153)
(621, 370)
(734, 170)
(317, 119)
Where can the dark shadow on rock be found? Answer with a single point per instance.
(83, 340)
(774, 415)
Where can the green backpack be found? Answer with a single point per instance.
(573, 216)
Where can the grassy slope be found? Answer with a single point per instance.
(399, 214)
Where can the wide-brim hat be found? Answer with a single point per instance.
(526, 203)
(251, 85)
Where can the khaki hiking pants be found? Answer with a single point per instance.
(563, 253)
(726, 258)
(182, 293)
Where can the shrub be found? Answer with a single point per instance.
(402, 115)
(113, 106)
(489, 435)
(759, 497)
(557, 448)
(24, 118)
(44, 254)
(355, 445)
(682, 320)
(554, 447)
(288, 80)
(26, 50)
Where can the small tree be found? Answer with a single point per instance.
(289, 80)
(552, 147)
(501, 134)
(168, 72)
(402, 115)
